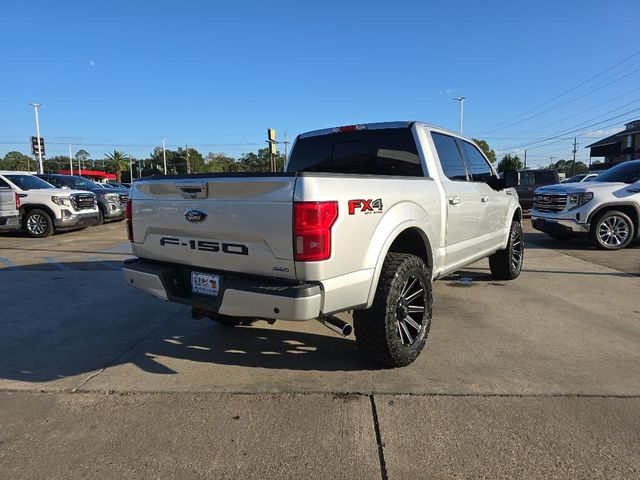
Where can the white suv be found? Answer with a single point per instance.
(607, 208)
(46, 209)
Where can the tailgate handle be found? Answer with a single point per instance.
(193, 190)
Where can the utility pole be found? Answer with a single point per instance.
(286, 145)
(574, 154)
(164, 156)
(186, 149)
(37, 106)
(461, 100)
(70, 161)
(525, 159)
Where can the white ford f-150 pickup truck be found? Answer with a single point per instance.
(363, 219)
(606, 209)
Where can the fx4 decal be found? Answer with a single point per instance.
(366, 206)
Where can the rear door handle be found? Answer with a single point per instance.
(484, 199)
(454, 200)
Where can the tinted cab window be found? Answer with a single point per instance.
(390, 151)
(450, 157)
(479, 168)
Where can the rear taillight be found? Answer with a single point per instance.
(312, 222)
(129, 217)
(17, 202)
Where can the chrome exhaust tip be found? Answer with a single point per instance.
(335, 324)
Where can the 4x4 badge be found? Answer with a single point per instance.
(194, 216)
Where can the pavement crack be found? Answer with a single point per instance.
(376, 425)
(86, 380)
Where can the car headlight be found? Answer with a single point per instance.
(576, 200)
(111, 197)
(62, 201)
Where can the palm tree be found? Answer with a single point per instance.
(118, 162)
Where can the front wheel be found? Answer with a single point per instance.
(393, 331)
(612, 230)
(38, 224)
(507, 264)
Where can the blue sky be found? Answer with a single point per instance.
(215, 75)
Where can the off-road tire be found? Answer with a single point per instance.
(38, 224)
(613, 217)
(377, 328)
(507, 264)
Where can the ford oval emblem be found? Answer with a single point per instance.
(194, 215)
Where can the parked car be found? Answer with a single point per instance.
(607, 208)
(363, 219)
(9, 208)
(111, 201)
(532, 179)
(581, 177)
(46, 209)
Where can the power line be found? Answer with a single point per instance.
(573, 99)
(491, 128)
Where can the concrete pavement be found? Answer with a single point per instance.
(539, 377)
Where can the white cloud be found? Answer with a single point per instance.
(603, 133)
(446, 91)
(92, 63)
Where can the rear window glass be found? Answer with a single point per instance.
(545, 178)
(389, 151)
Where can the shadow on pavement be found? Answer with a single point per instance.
(50, 335)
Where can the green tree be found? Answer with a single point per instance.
(17, 161)
(510, 162)
(118, 162)
(488, 151)
(260, 162)
(219, 162)
(56, 163)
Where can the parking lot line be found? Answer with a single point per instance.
(52, 261)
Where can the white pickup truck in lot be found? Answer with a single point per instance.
(363, 219)
(607, 208)
(46, 209)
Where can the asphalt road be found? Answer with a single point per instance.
(536, 378)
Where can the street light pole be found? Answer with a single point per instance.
(461, 100)
(36, 106)
(164, 156)
(70, 161)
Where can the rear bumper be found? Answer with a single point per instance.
(239, 295)
(558, 225)
(75, 220)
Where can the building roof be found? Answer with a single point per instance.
(630, 127)
(90, 173)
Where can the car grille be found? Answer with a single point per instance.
(550, 202)
(124, 197)
(83, 201)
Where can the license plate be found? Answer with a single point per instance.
(205, 283)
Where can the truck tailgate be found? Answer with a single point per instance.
(230, 223)
(7, 203)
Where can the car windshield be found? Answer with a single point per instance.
(574, 179)
(80, 183)
(628, 172)
(28, 182)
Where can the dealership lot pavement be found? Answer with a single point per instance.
(537, 377)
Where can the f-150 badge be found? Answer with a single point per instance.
(366, 206)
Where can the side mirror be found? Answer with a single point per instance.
(511, 178)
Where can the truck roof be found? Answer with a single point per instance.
(379, 125)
